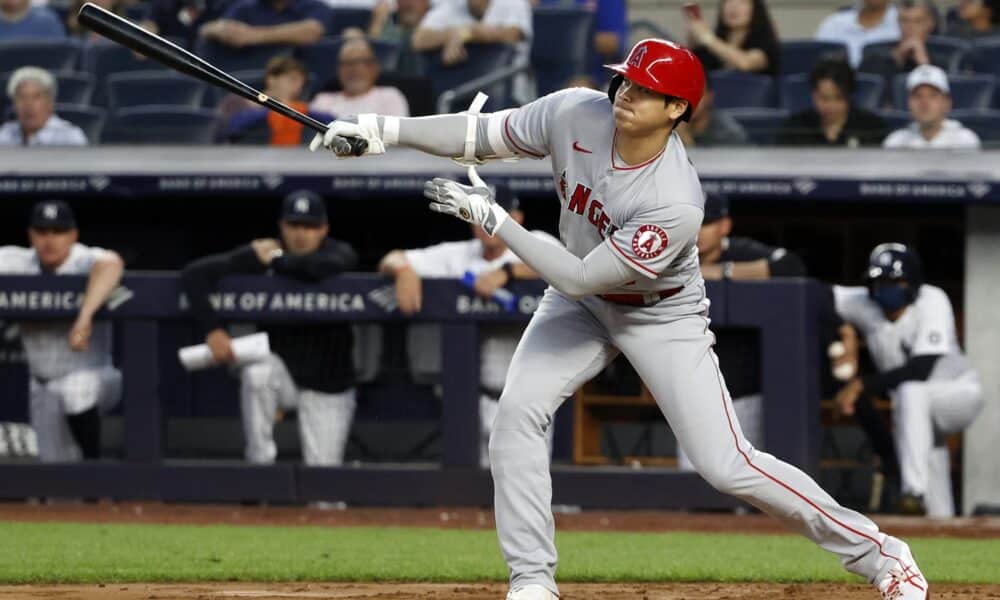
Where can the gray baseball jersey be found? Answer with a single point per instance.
(46, 344)
(649, 216)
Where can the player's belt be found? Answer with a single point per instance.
(647, 299)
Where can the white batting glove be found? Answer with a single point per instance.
(337, 131)
(473, 204)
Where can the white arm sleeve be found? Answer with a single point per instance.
(596, 273)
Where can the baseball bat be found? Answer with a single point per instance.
(155, 47)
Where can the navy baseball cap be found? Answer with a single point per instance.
(716, 207)
(506, 198)
(52, 214)
(303, 206)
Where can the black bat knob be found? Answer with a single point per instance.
(358, 146)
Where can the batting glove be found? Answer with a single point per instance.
(473, 204)
(337, 132)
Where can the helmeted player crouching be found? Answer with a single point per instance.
(628, 281)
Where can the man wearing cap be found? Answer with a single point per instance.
(72, 379)
(741, 259)
(930, 103)
(494, 266)
(310, 369)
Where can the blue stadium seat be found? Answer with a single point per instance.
(895, 119)
(483, 60)
(796, 96)
(761, 124)
(72, 88)
(984, 56)
(968, 92)
(88, 118)
(320, 58)
(159, 124)
(142, 89)
(239, 59)
(342, 18)
(105, 59)
(51, 55)
(986, 124)
(799, 56)
(741, 90)
(559, 44)
(947, 53)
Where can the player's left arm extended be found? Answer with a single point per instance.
(325, 262)
(105, 276)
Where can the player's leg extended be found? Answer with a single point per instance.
(563, 346)
(55, 441)
(325, 425)
(683, 376)
(264, 386)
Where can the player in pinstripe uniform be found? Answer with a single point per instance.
(72, 378)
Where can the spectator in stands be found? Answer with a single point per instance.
(833, 120)
(744, 38)
(72, 380)
(610, 32)
(909, 329)
(269, 22)
(181, 19)
(870, 22)
(709, 127)
(930, 103)
(727, 257)
(79, 31)
(248, 123)
(357, 71)
(494, 266)
(977, 18)
(310, 368)
(33, 92)
(19, 19)
(451, 24)
(397, 25)
(917, 21)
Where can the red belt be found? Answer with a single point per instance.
(647, 299)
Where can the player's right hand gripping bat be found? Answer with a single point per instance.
(149, 44)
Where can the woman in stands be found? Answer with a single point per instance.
(744, 38)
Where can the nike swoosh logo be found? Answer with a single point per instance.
(576, 146)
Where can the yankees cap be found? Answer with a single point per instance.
(716, 207)
(52, 214)
(303, 206)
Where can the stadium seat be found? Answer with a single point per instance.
(58, 56)
(799, 56)
(88, 118)
(944, 52)
(320, 58)
(483, 60)
(105, 59)
(984, 56)
(741, 90)
(160, 124)
(796, 96)
(239, 59)
(559, 46)
(895, 119)
(142, 89)
(72, 88)
(968, 92)
(761, 124)
(986, 124)
(342, 18)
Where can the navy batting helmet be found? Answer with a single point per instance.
(889, 266)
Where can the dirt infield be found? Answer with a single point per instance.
(387, 591)
(463, 518)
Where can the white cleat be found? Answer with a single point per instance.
(904, 581)
(531, 592)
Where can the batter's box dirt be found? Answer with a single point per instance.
(451, 591)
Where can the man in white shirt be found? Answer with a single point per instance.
(871, 22)
(494, 266)
(930, 103)
(357, 70)
(451, 24)
(33, 91)
(72, 379)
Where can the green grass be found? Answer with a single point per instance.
(70, 552)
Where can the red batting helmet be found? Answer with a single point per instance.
(664, 67)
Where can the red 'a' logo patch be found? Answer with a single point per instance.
(649, 241)
(635, 60)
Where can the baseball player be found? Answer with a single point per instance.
(310, 368)
(72, 380)
(909, 328)
(628, 281)
(494, 266)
